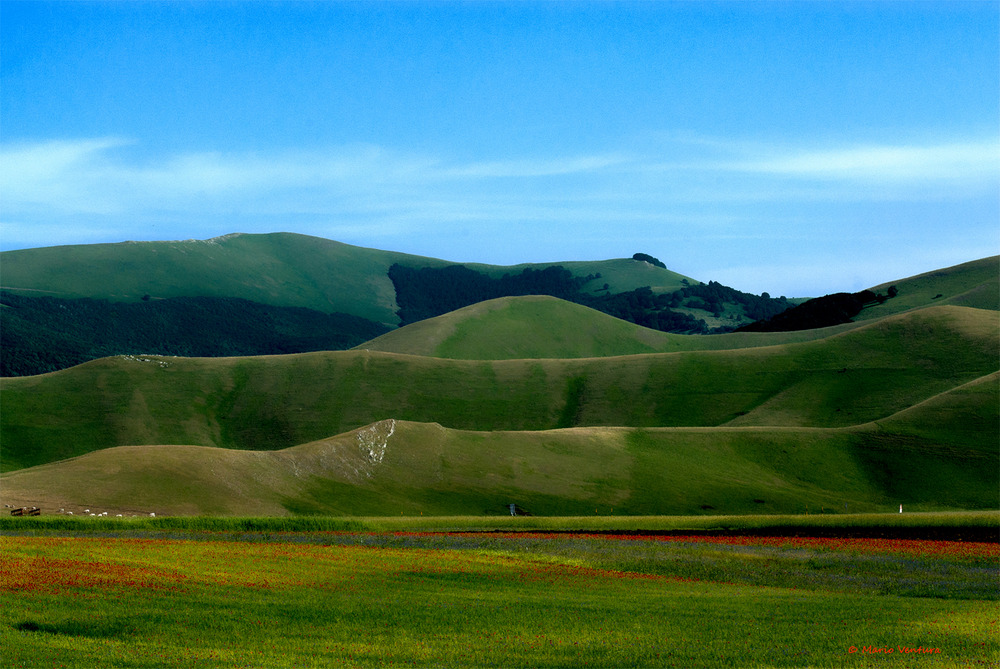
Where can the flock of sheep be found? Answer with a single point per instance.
(35, 511)
(88, 512)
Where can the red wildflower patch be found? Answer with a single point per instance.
(849, 545)
(42, 574)
(854, 545)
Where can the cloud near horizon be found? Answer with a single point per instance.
(971, 162)
(95, 176)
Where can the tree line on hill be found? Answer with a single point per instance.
(426, 292)
(45, 334)
(820, 312)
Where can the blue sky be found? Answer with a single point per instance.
(798, 148)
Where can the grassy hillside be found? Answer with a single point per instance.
(621, 275)
(536, 326)
(398, 467)
(274, 402)
(280, 269)
(531, 400)
(971, 284)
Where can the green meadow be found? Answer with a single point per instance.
(130, 597)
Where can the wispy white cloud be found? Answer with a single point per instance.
(964, 161)
(538, 168)
(56, 176)
(93, 176)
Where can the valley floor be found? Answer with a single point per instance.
(132, 597)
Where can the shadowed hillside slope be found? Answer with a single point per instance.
(974, 284)
(273, 402)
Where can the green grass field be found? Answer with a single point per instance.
(922, 524)
(233, 594)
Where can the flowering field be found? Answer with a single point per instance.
(430, 599)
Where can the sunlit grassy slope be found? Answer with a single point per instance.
(621, 274)
(861, 375)
(971, 284)
(540, 326)
(281, 269)
(398, 467)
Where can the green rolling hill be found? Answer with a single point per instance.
(971, 284)
(270, 402)
(546, 327)
(540, 326)
(397, 467)
(540, 402)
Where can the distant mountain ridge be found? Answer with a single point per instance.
(280, 269)
(64, 305)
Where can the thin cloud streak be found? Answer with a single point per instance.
(537, 168)
(969, 161)
(86, 175)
